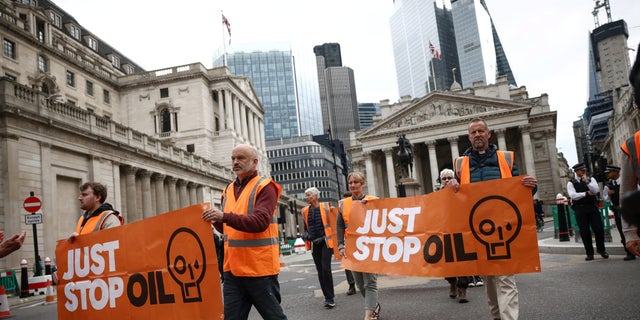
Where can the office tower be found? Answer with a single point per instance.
(272, 70)
(480, 51)
(477, 56)
(609, 66)
(337, 92)
(366, 112)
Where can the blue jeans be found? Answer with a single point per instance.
(240, 293)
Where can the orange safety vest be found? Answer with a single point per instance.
(463, 172)
(95, 223)
(345, 208)
(250, 254)
(324, 213)
(630, 148)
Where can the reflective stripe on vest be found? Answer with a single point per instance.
(324, 214)
(630, 148)
(250, 254)
(463, 171)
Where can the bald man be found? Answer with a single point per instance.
(251, 254)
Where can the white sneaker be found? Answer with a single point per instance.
(479, 283)
(471, 284)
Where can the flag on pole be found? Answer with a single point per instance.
(434, 52)
(225, 21)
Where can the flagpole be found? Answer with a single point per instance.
(433, 76)
(224, 42)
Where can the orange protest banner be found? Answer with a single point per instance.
(163, 267)
(485, 228)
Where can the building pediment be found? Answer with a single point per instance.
(434, 111)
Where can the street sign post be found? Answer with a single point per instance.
(32, 204)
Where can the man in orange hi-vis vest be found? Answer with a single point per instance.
(98, 214)
(251, 253)
(482, 162)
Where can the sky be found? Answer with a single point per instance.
(546, 41)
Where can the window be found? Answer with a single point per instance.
(105, 96)
(92, 43)
(165, 120)
(9, 49)
(128, 69)
(71, 79)
(164, 92)
(56, 20)
(90, 88)
(115, 61)
(74, 31)
(42, 64)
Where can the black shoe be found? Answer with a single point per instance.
(629, 257)
(352, 290)
(604, 254)
(588, 258)
(329, 304)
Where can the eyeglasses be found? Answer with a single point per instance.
(447, 178)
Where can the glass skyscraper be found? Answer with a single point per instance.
(463, 33)
(274, 76)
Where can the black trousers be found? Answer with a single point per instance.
(322, 259)
(588, 218)
(460, 282)
(618, 218)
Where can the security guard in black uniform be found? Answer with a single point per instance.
(611, 193)
(583, 191)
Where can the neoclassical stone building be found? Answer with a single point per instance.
(437, 126)
(73, 109)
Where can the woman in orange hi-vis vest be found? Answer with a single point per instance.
(251, 253)
(367, 283)
(320, 235)
(630, 173)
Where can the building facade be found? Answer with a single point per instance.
(73, 109)
(338, 99)
(437, 126)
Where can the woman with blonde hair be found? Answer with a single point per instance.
(367, 283)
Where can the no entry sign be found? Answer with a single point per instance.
(32, 204)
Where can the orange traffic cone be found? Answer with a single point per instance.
(50, 297)
(4, 304)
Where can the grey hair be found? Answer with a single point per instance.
(447, 172)
(313, 191)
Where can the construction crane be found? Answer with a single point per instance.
(600, 4)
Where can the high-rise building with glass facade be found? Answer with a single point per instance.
(337, 89)
(460, 30)
(272, 70)
(366, 112)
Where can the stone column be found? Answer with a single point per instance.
(132, 200)
(256, 127)
(221, 115)
(502, 143)
(193, 198)
(243, 120)
(391, 173)
(262, 136)
(433, 163)
(182, 192)
(158, 182)
(252, 128)
(200, 194)
(370, 174)
(228, 109)
(147, 205)
(553, 156)
(235, 104)
(453, 143)
(528, 151)
(173, 194)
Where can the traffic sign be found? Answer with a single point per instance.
(32, 204)
(35, 218)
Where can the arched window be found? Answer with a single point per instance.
(165, 120)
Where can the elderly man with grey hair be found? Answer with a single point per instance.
(319, 233)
